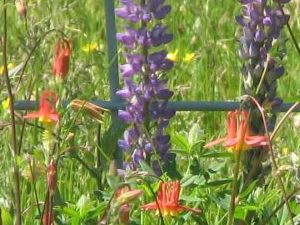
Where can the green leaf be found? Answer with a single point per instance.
(195, 134)
(218, 182)
(6, 217)
(217, 155)
(188, 180)
(181, 142)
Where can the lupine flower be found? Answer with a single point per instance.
(261, 25)
(47, 110)
(21, 8)
(168, 200)
(61, 58)
(146, 94)
(239, 137)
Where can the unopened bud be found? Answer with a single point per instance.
(128, 196)
(124, 214)
(90, 109)
(48, 218)
(21, 8)
(52, 177)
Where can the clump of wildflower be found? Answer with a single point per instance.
(145, 90)
(167, 200)
(261, 25)
(61, 60)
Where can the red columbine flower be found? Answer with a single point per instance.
(61, 58)
(239, 134)
(168, 200)
(47, 112)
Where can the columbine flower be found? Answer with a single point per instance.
(47, 112)
(239, 136)
(168, 200)
(61, 58)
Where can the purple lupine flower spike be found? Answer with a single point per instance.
(261, 25)
(146, 95)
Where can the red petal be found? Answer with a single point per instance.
(215, 142)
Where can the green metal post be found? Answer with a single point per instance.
(113, 70)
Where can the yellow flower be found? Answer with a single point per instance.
(90, 47)
(189, 57)
(5, 104)
(173, 56)
(9, 66)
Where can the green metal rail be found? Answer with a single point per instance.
(115, 103)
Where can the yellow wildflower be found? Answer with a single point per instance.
(5, 104)
(9, 66)
(173, 56)
(90, 47)
(189, 57)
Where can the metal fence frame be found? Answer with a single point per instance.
(115, 103)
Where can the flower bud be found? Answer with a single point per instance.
(124, 214)
(128, 196)
(21, 8)
(52, 177)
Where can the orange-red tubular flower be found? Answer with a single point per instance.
(47, 111)
(168, 200)
(239, 136)
(61, 58)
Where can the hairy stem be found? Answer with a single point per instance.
(273, 159)
(13, 121)
(234, 191)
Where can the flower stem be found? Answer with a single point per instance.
(290, 31)
(13, 121)
(273, 159)
(234, 191)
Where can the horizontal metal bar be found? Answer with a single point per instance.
(178, 106)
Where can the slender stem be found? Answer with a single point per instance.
(283, 119)
(1, 223)
(273, 159)
(234, 191)
(267, 220)
(34, 188)
(13, 121)
(290, 31)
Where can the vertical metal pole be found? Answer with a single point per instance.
(113, 69)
